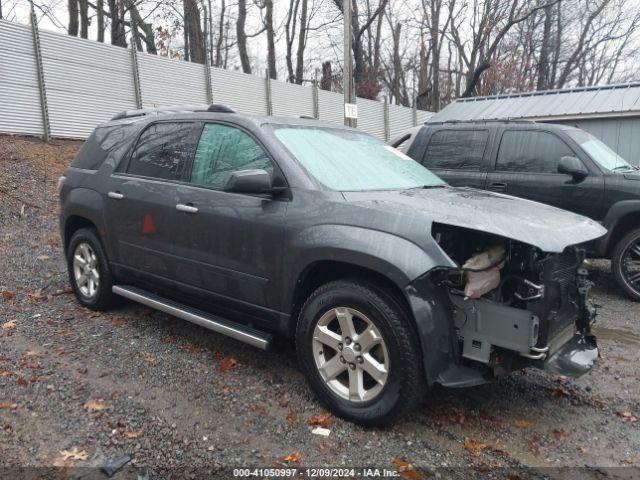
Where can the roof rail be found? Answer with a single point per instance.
(173, 109)
(481, 120)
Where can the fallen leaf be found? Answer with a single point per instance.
(132, 433)
(22, 382)
(598, 400)
(292, 417)
(150, 360)
(320, 420)
(68, 458)
(227, 364)
(8, 428)
(582, 449)
(167, 340)
(321, 447)
(523, 423)
(561, 434)
(8, 405)
(559, 392)
(6, 295)
(534, 447)
(630, 461)
(475, 447)
(43, 257)
(191, 349)
(94, 405)
(406, 470)
(37, 296)
(628, 417)
(292, 457)
(9, 325)
(283, 402)
(33, 353)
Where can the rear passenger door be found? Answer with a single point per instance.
(527, 166)
(457, 155)
(231, 244)
(142, 198)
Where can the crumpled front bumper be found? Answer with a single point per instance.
(575, 358)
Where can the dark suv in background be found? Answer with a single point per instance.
(558, 165)
(388, 279)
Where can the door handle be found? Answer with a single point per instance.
(116, 195)
(186, 208)
(498, 187)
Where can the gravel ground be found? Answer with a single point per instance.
(78, 387)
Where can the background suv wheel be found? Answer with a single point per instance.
(625, 263)
(89, 273)
(359, 352)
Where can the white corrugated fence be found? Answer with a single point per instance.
(87, 82)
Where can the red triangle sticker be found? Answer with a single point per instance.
(148, 227)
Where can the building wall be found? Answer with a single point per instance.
(622, 134)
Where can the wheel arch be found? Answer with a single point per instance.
(621, 218)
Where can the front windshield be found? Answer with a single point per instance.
(345, 160)
(599, 151)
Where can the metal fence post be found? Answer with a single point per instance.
(268, 91)
(207, 72)
(136, 75)
(387, 133)
(46, 125)
(316, 97)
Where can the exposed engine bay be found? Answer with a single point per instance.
(514, 305)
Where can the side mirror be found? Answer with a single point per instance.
(249, 181)
(572, 166)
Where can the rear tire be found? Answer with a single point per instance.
(89, 272)
(625, 263)
(372, 374)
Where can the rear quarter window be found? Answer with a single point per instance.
(451, 149)
(100, 144)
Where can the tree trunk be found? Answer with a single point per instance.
(422, 97)
(84, 18)
(543, 61)
(100, 17)
(434, 31)
(195, 34)
(302, 40)
(241, 36)
(326, 81)
(116, 12)
(221, 35)
(73, 18)
(271, 40)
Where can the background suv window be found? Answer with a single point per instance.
(223, 150)
(531, 151)
(456, 149)
(164, 151)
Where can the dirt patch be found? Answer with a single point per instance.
(49, 158)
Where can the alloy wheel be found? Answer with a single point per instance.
(350, 354)
(85, 270)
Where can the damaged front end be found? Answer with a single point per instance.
(513, 305)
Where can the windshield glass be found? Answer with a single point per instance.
(345, 160)
(599, 152)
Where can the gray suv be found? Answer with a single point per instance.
(389, 280)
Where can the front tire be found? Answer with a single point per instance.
(359, 352)
(89, 272)
(625, 263)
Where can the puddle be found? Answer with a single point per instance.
(616, 335)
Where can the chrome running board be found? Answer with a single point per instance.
(218, 324)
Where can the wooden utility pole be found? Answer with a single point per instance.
(347, 80)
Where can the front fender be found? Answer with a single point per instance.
(616, 212)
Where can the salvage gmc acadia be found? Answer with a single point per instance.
(388, 279)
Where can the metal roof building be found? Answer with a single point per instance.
(611, 112)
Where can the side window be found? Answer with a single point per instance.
(456, 149)
(531, 151)
(164, 150)
(223, 150)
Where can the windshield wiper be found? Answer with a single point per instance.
(626, 168)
